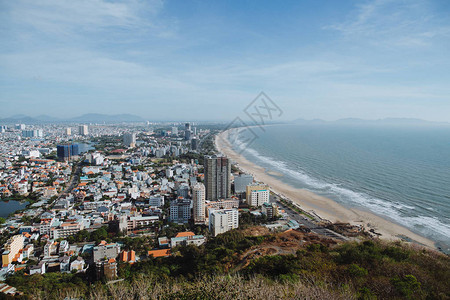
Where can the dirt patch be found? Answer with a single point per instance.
(256, 231)
(283, 243)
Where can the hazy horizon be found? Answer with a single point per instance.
(207, 61)
(317, 121)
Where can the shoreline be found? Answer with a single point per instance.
(322, 206)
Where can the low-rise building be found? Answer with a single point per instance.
(141, 222)
(106, 269)
(187, 238)
(50, 248)
(38, 269)
(180, 210)
(77, 265)
(105, 251)
(270, 210)
(223, 220)
(156, 201)
(127, 256)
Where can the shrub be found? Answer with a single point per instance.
(407, 286)
(357, 271)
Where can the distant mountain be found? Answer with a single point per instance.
(304, 121)
(19, 116)
(101, 118)
(22, 119)
(378, 122)
(47, 118)
(86, 118)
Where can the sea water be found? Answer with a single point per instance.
(399, 173)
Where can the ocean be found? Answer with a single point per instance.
(401, 174)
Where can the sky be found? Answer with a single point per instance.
(207, 60)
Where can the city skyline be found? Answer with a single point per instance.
(328, 60)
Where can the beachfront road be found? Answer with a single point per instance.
(302, 220)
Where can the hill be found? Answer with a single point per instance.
(86, 118)
(403, 122)
(240, 265)
(101, 118)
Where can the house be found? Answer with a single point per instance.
(163, 242)
(187, 238)
(28, 251)
(159, 253)
(63, 246)
(7, 289)
(38, 269)
(50, 248)
(77, 265)
(64, 264)
(127, 256)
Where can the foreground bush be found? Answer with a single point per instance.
(218, 287)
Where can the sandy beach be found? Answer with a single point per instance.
(322, 206)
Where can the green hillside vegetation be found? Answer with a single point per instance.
(365, 270)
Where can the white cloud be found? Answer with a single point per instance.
(392, 23)
(70, 18)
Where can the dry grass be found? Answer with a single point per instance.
(217, 287)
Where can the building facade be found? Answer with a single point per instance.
(12, 248)
(198, 198)
(180, 210)
(129, 140)
(104, 250)
(83, 130)
(66, 152)
(217, 177)
(33, 133)
(259, 197)
(106, 269)
(223, 220)
(241, 182)
(255, 187)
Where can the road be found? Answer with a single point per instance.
(72, 183)
(303, 220)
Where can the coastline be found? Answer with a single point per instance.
(321, 206)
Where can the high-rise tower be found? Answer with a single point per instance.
(198, 197)
(217, 177)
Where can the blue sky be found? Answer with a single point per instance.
(206, 60)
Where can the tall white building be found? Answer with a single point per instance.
(96, 158)
(174, 130)
(198, 197)
(254, 187)
(258, 198)
(12, 247)
(223, 220)
(129, 139)
(83, 130)
(68, 131)
(33, 133)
